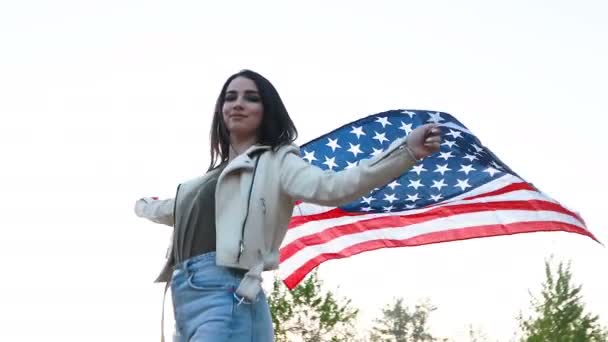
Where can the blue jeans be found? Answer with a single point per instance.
(207, 308)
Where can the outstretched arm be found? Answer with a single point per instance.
(302, 181)
(155, 210)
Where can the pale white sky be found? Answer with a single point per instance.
(103, 102)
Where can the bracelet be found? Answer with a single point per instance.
(411, 153)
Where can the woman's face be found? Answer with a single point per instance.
(242, 110)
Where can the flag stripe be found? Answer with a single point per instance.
(314, 227)
(292, 278)
(333, 213)
(402, 221)
(458, 221)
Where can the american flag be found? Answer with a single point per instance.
(461, 192)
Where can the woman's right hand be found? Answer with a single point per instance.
(424, 140)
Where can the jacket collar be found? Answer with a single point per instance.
(245, 160)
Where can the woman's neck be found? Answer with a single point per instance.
(239, 146)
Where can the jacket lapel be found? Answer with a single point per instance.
(244, 161)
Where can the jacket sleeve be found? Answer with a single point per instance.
(309, 183)
(159, 211)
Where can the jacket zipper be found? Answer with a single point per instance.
(241, 241)
(399, 148)
(176, 238)
(175, 204)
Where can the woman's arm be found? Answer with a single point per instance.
(155, 210)
(302, 181)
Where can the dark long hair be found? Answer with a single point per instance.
(276, 128)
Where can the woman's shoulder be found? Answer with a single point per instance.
(287, 148)
(209, 174)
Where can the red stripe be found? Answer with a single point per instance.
(337, 212)
(436, 237)
(400, 221)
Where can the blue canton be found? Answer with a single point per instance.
(461, 165)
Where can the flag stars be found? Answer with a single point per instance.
(367, 200)
(410, 113)
(442, 169)
(454, 134)
(435, 117)
(330, 162)
(383, 121)
(333, 143)
(388, 209)
(439, 184)
(418, 169)
(445, 155)
(355, 149)
(449, 143)
(309, 156)
(415, 184)
(407, 128)
(436, 197)
(376, 152)
(462, 184)
(413, 197)
(491, 171)
(381, 137)
(390, 198)
(461, 165)
(358, 131)
(470, 157)
(477, 148)
(466, 169)
(393, 185)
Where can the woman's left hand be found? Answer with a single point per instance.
(424, 140)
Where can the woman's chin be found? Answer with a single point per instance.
(241, 133)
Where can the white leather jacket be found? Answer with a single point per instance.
(255, 197)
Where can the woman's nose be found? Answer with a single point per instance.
(238, 102)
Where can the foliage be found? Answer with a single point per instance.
(402, 324)
(558, 315)
(309, 313)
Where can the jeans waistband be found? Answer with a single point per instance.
(203, 260)
(197, 260)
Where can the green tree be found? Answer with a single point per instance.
(310, 313)
(402, 324)
(559, 315)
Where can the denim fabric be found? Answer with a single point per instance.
(207, 309)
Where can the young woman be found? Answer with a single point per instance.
(230, 222)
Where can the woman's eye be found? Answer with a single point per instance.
(252, 98)
(230, 97)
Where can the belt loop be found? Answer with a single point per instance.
(184, 266)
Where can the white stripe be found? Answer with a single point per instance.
(297, 260)
(317, 226)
